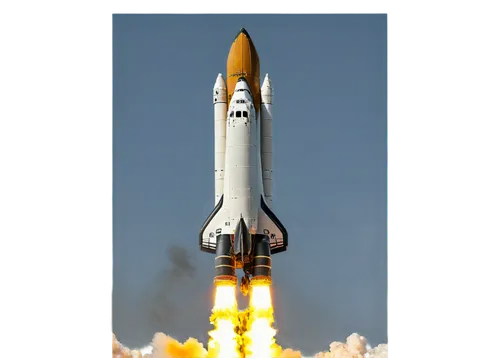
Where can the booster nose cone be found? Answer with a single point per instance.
(219, 82)
(220, 91)
(267, 90)
(243, 61)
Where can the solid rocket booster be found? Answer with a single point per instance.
(266, 139)
(220, 112)
(242, 230)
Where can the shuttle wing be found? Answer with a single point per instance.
(271, 226)
(208, 232)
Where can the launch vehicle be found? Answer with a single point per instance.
(242, 230)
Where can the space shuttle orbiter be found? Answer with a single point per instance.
(242, 230)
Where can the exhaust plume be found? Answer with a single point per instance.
(167, 347)
(180, 262)
(241, 334)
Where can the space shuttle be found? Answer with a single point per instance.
(242, 230)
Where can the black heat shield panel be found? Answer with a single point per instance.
(276, 246)
(205, 245)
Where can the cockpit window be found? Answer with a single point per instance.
(245, 114)
(238, 114)
(231, 114)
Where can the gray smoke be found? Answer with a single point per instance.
(161, 310)
(180, 264)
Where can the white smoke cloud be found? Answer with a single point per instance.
(163, 346)
(355, 347)
(380, 351)
(120, 351)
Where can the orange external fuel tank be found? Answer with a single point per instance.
(243, 61)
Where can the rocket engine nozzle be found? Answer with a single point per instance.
(261, 281)
(223, 280)
(261, 270)
(224, 261)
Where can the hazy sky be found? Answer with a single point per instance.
(329, 74)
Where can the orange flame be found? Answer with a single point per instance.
(224, 341)
(259, 338)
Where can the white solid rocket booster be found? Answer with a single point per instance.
(220, 113)
(266, 139)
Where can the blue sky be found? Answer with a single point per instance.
(329, 74)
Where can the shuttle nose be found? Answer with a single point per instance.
(242, 84)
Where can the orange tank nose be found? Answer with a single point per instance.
(243, 61)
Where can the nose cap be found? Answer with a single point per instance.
(242, 31)
(242, 83)
(219, 82)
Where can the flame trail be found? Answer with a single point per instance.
(259, 338)
(224, 341)
(246, 334)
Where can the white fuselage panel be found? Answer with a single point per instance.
(242, 178)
